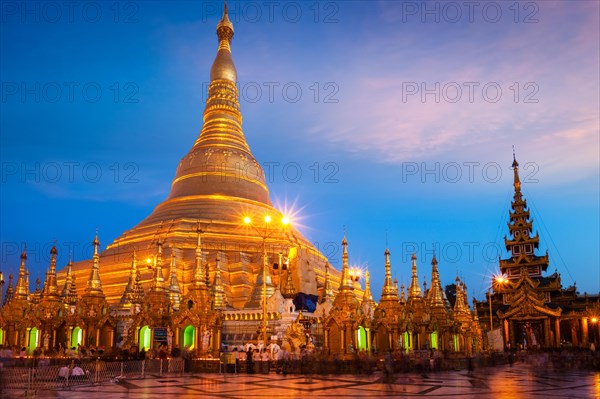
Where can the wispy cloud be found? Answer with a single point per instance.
(556, 68)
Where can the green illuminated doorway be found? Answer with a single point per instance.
(76, 337)
(434, 340)
(145, 336)
(362, 338)
(33, 339)
(188, 337)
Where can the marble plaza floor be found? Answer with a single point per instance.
(519, 381)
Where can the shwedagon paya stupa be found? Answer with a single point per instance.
(218, 184)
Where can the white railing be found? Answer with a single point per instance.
(94, 372)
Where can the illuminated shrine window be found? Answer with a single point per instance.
(434, 340)
(145, 335)
(188, 336)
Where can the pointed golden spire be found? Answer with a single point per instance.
(218, 292)
(50, 284)
(346, 281)
(37, 295)
(22, 288)
(327, 290)
(174, 289)
(199, 276)
(27, 283)
(459, 304)
(389, 290)
(69, 291)
(94, 285)
(517, 181)
(402, 297)
(414, 291)
(256, 298)
(8, 296)
(368, 304)
(435, 294)
(68, 279)
(223, 67)
(133, 293)
(367, 295)
(158, 280)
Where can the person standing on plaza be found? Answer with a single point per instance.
(249, 361)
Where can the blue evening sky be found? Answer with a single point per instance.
(392, 119)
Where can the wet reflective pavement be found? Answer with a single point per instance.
(519, 381)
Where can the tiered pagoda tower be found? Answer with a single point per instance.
(521, 244)
(533, 310)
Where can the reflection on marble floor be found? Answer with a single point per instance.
(520, 381)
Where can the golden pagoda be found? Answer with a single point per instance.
(387, 316)
(345, 324)
(217, 184)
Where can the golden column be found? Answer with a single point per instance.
(584, 332)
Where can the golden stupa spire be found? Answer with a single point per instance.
(402, 296)
(256, 298)
(389, 291)
(328, 291)
(68, 279)
(435, 294)
(221, 148)
(223, 67)
(346, 281)
(69, 291)
(22, 287)
(367, 295)
(199, 276)
(158, 280)
(8, 296)
(133, 293)
(174, 288)
(50, 284)
(94, 285)
(37, 294)
(27, 283)
(414, 291)
(461, 304)
(517, 181)
(218, 292)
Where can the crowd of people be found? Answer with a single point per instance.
(253, 358)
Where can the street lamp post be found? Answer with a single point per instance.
(490, 301)
(1, 289)
(265, 233)
(501, 280)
